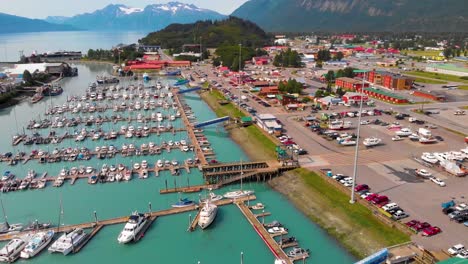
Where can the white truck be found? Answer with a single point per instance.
(424, 132)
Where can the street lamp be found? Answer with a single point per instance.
(356, 153)
(239, 80)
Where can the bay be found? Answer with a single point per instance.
(167, 241)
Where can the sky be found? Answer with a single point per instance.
(44, 8)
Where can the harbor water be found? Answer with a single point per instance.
(167, 240)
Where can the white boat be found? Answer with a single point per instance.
(37, 243)
(68, 241)
(423, 173)
(258, 206)
(159, 164)
(136, 166)
(298, 252)
(372, 141)
(414, 137)
(429, 157)
(207, 214)
(211, 196)
(11, 251)
(397, 138)
(277, 230)
(144, 164)
(404, 132)
(132, 228)
(238, 194)
(427, 140)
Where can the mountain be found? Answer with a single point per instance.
(231, 31)
(357, 15)
(152, 17)
(17, 24)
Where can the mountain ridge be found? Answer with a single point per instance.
(18, 24)
(152, 17)
(356, 15)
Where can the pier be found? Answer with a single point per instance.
(124, 219)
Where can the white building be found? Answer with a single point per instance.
(269, 123)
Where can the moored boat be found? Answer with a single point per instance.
(132, 228)
(207, 214)
(68, 241)
(37, 243)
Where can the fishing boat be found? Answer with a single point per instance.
(298, 252)
(12, 250)
(68, 241)
(185, 202)
(132, 228)
(37, 243)
(207, 214)
(372, 141)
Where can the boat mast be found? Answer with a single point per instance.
(4, 214)
(242, 173)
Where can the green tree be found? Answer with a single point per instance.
(319, 93)
(448, 52)
(349, 72)
(330, 76)
(340, 92)
(28, 78)
(339, 55)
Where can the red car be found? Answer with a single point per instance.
(412, 223)
(380, 199)
(421, 226)
(431, 231)
(371, 197)
(361, 187)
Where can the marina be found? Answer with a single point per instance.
(189, 178)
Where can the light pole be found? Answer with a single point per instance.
(356, 153)
(239, 80)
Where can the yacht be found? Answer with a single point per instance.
(144, 164)
(211, 196)
(37, 243)
(132, 228)
(372, 141)
(11, 251)
(183, 203)
(238, 194)
(7, 175)
(68, 241)
(207, 214)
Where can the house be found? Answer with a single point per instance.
(350, 84)
(354, 98)
(328, 101)
(287, 99)
(263, 60)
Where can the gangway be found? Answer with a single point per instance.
(211, 122)
(189, 90)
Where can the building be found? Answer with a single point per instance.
(350, 84)
(269, 123)
(328, 101)
(263, 60)
(269, 90)
(390, 80)
(355, 98)
(57, 69)
(287, 99)
(446, 68)
(385, 95)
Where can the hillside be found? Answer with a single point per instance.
(150, 18)
(17, 24)
(357, 15)
(230, 31)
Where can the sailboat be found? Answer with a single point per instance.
(6, 227)
(238, 193)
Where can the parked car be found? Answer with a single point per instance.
(448, 210)
(463, 254)
(454, 214)
(421, 226)
(380, 199)
(456, 249)
(371, 197)
(412, 223)
(398, 215)
(431, 231)
(389, 206)
(438, 181)
(365, 194)
(361, 187)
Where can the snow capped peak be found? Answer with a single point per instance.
(175, 6)
(130, 10)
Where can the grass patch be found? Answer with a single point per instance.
(337, 203)
(463, 87)
(438, 76)
(464, 107)
(427, 53)
(429, 81)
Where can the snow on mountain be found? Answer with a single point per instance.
(130, 10)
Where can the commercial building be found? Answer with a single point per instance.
(350, 84)
(450, 69)
(354, 98)
(269, 123)
(385, 95)
(390, 80)
(57, 69)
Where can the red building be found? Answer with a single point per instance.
(355, 98)
(349, 84)
(390, 80)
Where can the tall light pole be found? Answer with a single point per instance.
(356, 153)
(239, 80)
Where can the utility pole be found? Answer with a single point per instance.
(239, 80)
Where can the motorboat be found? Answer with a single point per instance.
(414, 137)
(287, 240)
(427, 140)
(37, 243)
(11, 251)
(238, 194)
(143, 174)
(89, 170)
(207, 214)
(273, 224)
(372, 141)
(298, 252)
(34, 226)
(127, 175)
(258, 206)
(68, 241)
(132, 228)
(144, 164)
(277, 230)
(429, 157)
(423, 173)
(185, 202)
(159, 164)
(404, 132)
(211, 196)
(136, 166)
(7, 175)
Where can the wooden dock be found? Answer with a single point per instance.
(124, 219)
(292, 244)
(189, 189)
(261, 231)
(194, 223)
(96, 229)
(145, 227)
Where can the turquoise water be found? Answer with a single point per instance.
(167, 240)
(12, 44)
